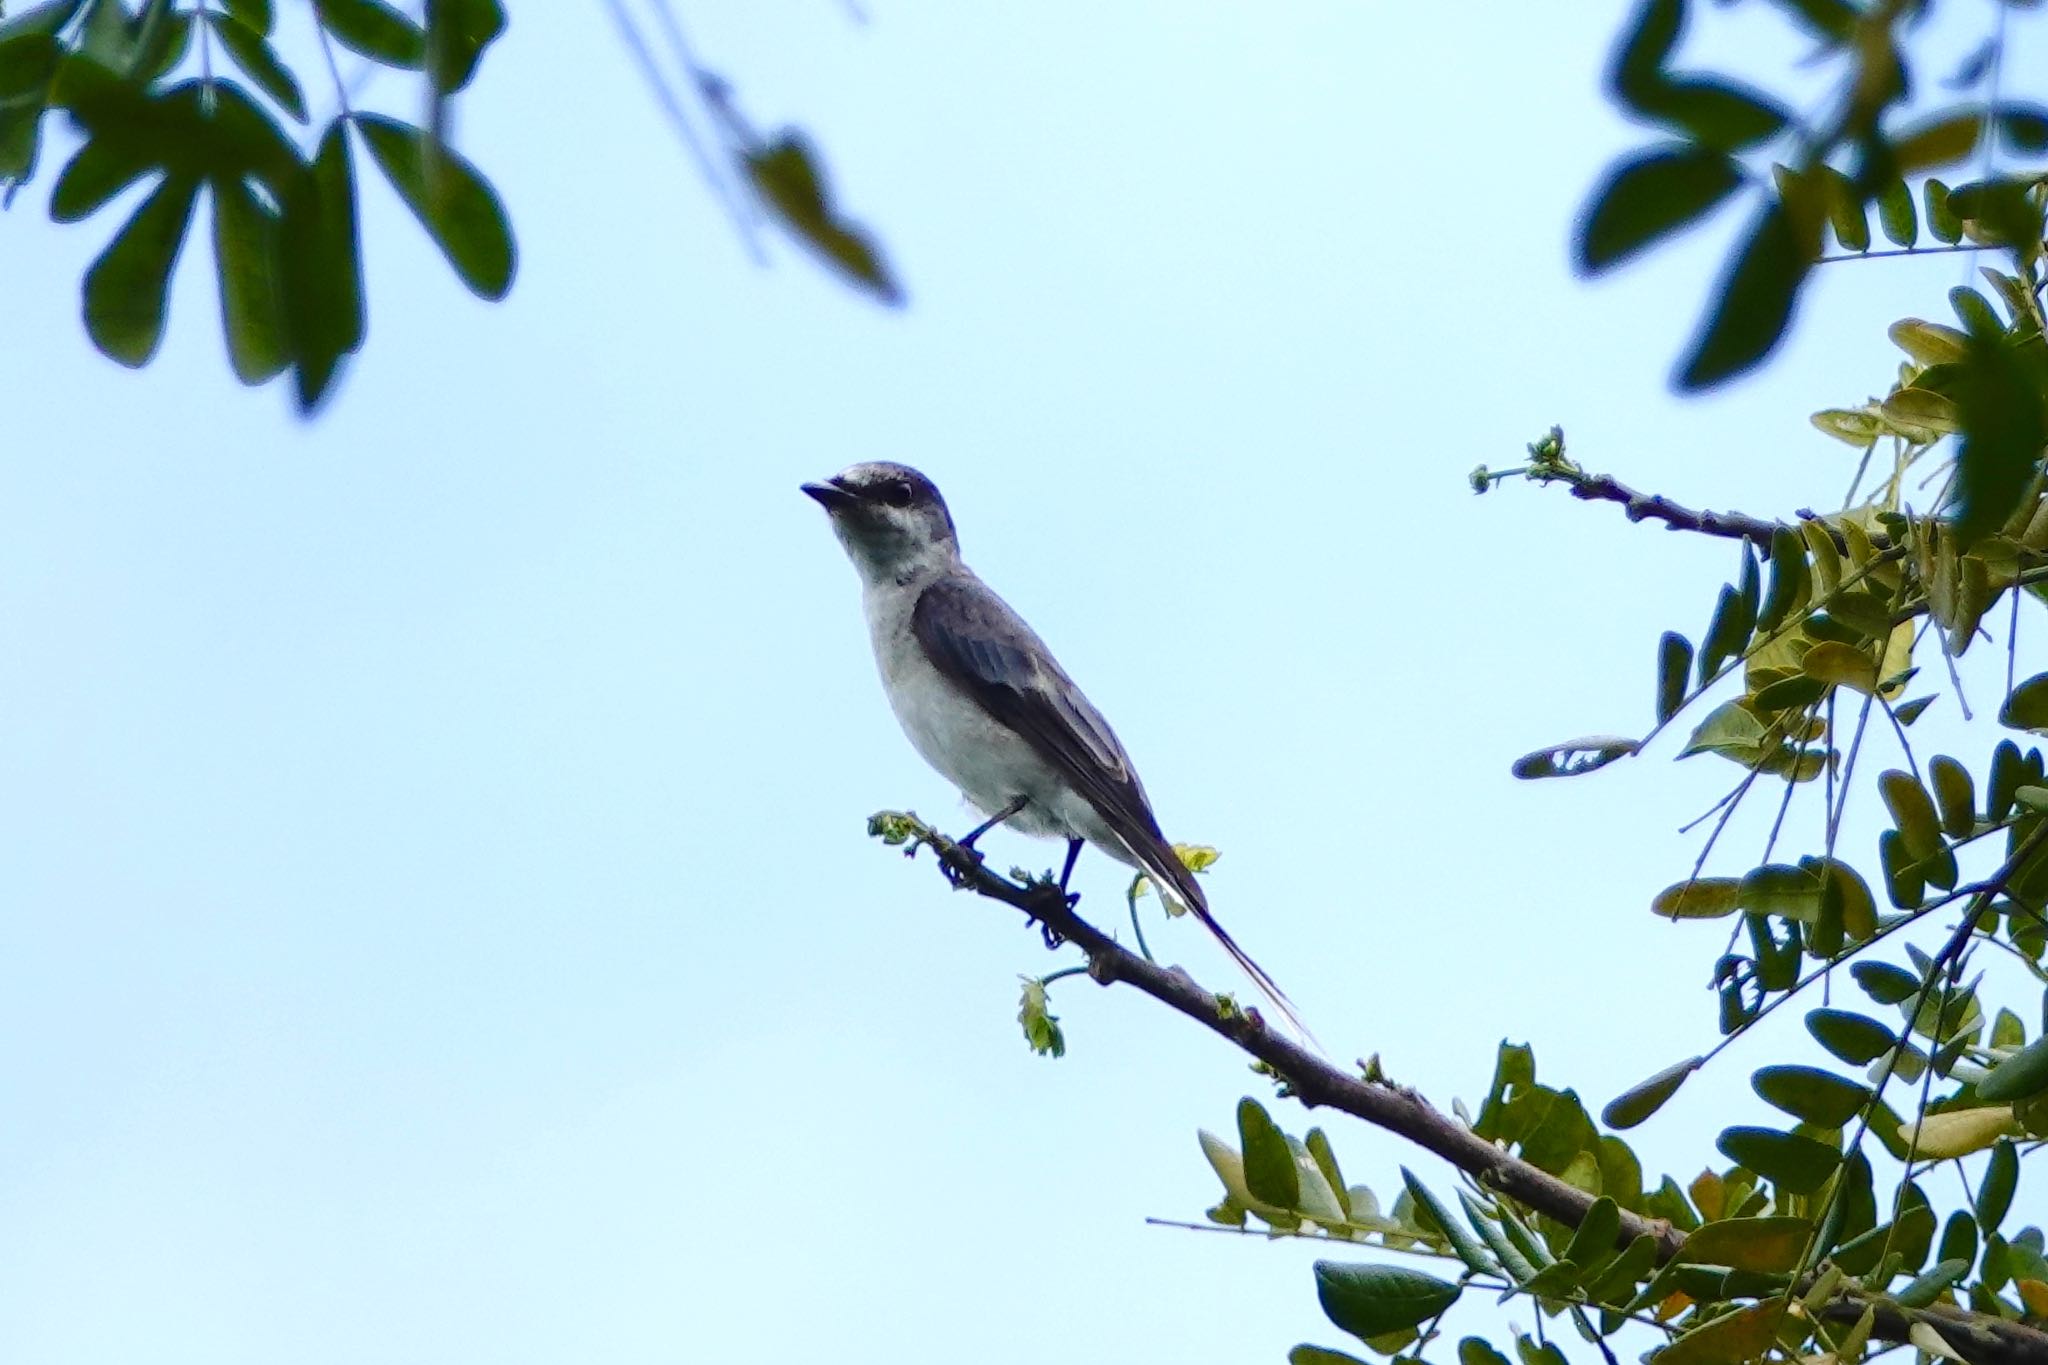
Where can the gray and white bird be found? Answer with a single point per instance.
(984, 701)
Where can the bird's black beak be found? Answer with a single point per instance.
(829, 496)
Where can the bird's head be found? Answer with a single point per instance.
(890, 518)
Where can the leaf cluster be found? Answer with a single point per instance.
(195, 100)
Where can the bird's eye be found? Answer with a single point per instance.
(899, 493)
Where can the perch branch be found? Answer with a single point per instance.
(1980, 1338)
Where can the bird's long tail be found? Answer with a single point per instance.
(1173, 878)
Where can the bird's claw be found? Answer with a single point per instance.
(956, 874)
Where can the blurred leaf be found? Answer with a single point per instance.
(785, 172)
(1636, 70)
(254, 54)
(1646, 198)
(1372, 1300)
(458, 31)
(452, 201)
(2003, 432)
(1320, 1355)
(1473, 1351)
(1896, 214)
(1752, 302)
(322, 276)
(1941, 140)
(255, 14)
(1854, 426)
(375, 30)
(1942, 220)
(245, 246)
(1574, 757)
(1645, 1098)
(1716, 113)
(98, 172)
(126, 288)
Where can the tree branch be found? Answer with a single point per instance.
(1981, 1338)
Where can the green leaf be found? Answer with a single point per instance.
(2021, 1076)
(452, 200)
(1959, 1239)
(1782, 890)
(1956, 794)
(245, 247)
(100, 170)
(458, 31)
(1926, 1288)
(1372, 1300)
(1727, 632)
(1674, 663)
(127, 287)
(1468, 1248)
(1885, 983)
(1325, 1157)
(1269, 1170)
(1636, 70)
(1896, 214)
(1764, 1245)
(374, 30)
(254, 54)
(1852, 426)
(1846, 216)
(1698, 898)
(1790, 580)
(322, 276)
(1912, 810)
(1306, 1354)
(1645, 198)
(1797, 1163)
(1819, 1097)
(1942, 220)
(1994, 1193)
(1717, 113)
(1574, 757)
(786, 174)
(1473, 1351)
(1941, 140)
(2003, 431)
(2025, 709)
(1852, 1037)
(1976, 314)
(1752, 303)
(27, 62)
(1929, 343)
(1598, 1237)
(1731, 730)
(252, 14)
(1639, 1101)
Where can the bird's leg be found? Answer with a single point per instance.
(985, 826)
(967, 845)
(1067, 871)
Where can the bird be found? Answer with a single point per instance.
(986, 704)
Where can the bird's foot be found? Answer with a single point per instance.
(951, 864)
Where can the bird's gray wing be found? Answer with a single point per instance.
(973, 637)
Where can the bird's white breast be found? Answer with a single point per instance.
(990, 763)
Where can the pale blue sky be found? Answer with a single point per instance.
(439, 924)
